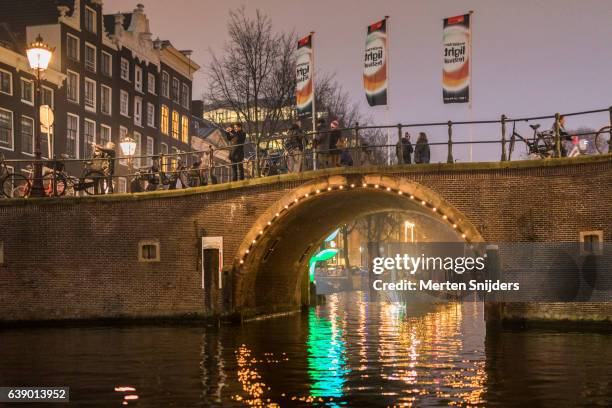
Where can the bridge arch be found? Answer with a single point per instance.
(283, 238)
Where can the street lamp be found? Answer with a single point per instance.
(39, 56)
(128, 148)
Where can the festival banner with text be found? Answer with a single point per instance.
(375, 64)
(456, 59)
(304, 77)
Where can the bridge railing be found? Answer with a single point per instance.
(358, 146)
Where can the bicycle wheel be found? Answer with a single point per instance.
(92, 182)
(15, 186)
(61, 184)
(602, 140)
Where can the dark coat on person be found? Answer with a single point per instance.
(237, 140)
(404, 151)
(421, 152)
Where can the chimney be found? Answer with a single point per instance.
(119, 24)
(197, 108)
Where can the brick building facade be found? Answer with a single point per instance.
(118, 80)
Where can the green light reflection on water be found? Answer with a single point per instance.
(326, 357)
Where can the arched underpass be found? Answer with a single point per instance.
(275, 253)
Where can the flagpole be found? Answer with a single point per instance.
(314, 108)
(388, 89)
(471, 90)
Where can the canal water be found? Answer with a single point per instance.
(348, 352)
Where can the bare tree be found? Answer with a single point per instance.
(254, 76)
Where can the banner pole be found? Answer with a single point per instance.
(470, 113)
(314, 108)
(388, 33)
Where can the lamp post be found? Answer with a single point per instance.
(39, 55)
(128, 149)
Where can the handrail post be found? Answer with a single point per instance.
(557, 128)
(503, 139)
(211, 158)
(357, 160)
(610, 137)
(400, 157)
(449, 158)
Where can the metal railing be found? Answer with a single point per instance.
(360, 145)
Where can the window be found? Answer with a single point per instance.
(185, 129)
(6, 129)
(106, 64)
(89, 131)
(148, 251)
(27, 135)
(185, 96)
(151, 82)
(165, 84)
(90, 94)
(164, 160)
(173, 159)
(46, 143)
(90, 20)
(125, 69)
(138, 152)
(105, 134)
(124, 103)
(164, 119)
(150, 114)
(138, 110)
(176, 92)
(175, 124)
(72, 135)
(6, 82)
(27, 91)
(591, 242)
(106, 99)
(149, 151)
(138, 78)
(73, 87)
(90, 57)
(72, 47)
(47, 96)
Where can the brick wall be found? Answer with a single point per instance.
(76, 258)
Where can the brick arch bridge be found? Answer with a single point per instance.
(73, 258)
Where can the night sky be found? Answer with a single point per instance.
(529, 58)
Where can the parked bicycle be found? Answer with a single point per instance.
(541, 145)
(13, 185)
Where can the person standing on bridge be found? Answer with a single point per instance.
(237, 138)
(294, 145)
(334, 138)
(404, 150)
(421, 151)
(321, 144)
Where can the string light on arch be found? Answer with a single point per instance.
(352, 185)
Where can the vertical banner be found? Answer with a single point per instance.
(304, 68)
(376, 64)
(456, 59)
